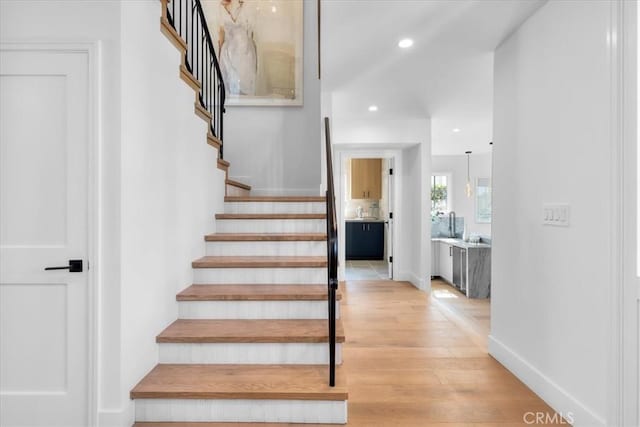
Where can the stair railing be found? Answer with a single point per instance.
(187, 18)
(332, 255)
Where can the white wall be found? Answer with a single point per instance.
(158, 185)
(275, 149)
(413, 222)
(480, 167)
(326, 110)
(170, 188)
(378, 131)
(96, 21)
(628, 311)
(550, 287)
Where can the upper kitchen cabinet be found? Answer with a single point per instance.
(366, 178)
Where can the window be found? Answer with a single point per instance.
(440, 201)
(483, 201)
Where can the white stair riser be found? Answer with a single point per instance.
(274, 207)
(271, 226)
(303, 248)
(254, 309)
(284, 276)
(241, 410)
(248, 353)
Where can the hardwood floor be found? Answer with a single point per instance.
(471, 315)
(412, 361)
(417, 360)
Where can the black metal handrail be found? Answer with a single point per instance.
(187, 18)
(332, 255)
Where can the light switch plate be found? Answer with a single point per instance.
(557, 214)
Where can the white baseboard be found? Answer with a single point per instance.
(412, 278)
(124, 417)
(554, 395)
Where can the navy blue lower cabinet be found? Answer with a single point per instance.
(365, 240)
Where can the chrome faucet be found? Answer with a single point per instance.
(452, 224)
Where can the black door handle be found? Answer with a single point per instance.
(75, 266)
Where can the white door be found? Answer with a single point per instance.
(43, 222)
(390, 219)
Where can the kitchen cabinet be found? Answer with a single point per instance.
(365, 240)
(466, 266)
(479, 272)
(445, 261)
(460, 269)
(435, 249)
(366, 179)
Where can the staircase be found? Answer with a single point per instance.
(251, 344)
(251, 340)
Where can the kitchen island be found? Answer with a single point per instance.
(465, 265)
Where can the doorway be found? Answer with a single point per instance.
(368, 218)
(366, 197)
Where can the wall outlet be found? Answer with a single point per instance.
(556, 214)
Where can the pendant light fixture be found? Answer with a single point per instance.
(468, 190)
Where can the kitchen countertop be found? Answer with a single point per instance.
(460, 243)
(364, 220)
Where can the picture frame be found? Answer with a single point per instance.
(259, 46)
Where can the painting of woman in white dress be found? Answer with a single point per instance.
(237, 48)
(259, 48)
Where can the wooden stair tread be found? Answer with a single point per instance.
(265, 237)
(271, 216)
(260, 262)
(295, 382)
(255, 293)
(167, 29)
(238, 184)
(213, 140)
(303, 199)
(249, 331)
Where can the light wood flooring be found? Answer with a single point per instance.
(471, 315)
(412, 361)
(417, 360)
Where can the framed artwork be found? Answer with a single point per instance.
(483, 200)
(259, 47)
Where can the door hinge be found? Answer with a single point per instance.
(390, 215)
(391, 171)
(390, 259)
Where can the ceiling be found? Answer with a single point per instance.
(446, 75)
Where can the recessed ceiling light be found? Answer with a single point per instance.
(405, 43)
(274, 9)
(373, 108)
(456, 130)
